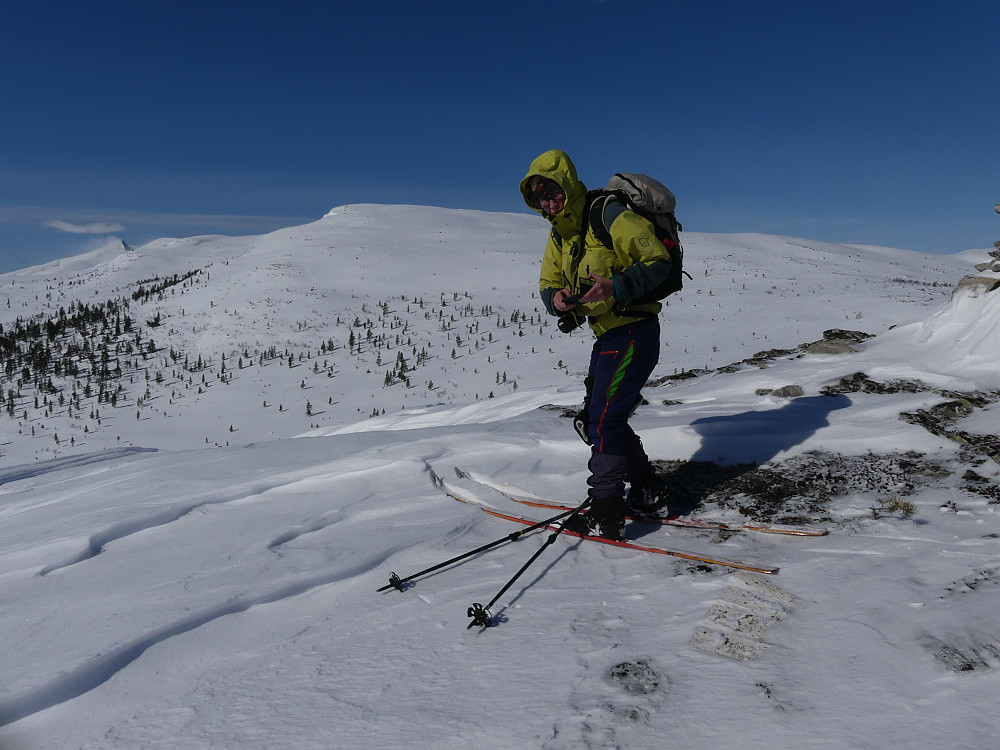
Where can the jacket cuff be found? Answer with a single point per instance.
(619, 295)
(547, 295)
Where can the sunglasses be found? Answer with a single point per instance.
(548, 190)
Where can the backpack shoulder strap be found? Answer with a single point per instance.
(604, 206)
(613, 208)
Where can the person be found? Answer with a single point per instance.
(581, 279)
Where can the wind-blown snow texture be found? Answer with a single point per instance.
(177, 572)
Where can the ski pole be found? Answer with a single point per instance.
(395, 582)
(481, 615)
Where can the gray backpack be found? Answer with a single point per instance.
(654, 202)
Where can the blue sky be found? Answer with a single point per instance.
(874, 122)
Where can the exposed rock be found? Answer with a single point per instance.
(980, 485)
(859, 381)
(689, 483)
(682, 375)
(839, 334)
(799, 489)
(974, 445)
(788, 391)
(976, 285)
(836, 341)
(935, 418)
(563, 411)
(830, 347)
(940, 419)
(771, 354)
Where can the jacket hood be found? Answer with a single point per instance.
(557, 166)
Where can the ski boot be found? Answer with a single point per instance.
(605, 518)
(647, 498)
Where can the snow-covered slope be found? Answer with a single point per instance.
(161, 592)
(67, 267)
(956, 345)
(452, 293)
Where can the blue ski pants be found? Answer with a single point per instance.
(620, 364)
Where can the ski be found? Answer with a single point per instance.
(496, 513)
(526, 498)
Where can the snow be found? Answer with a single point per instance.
(105, 252)
(171, 583)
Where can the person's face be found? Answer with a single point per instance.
(549, 197)
(553, 205)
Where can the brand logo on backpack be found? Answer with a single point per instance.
(655, 203)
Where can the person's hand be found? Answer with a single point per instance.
(603, 289)
(559, 301)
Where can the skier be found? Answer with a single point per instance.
(580, 277)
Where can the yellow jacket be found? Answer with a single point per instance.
(568, 261)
